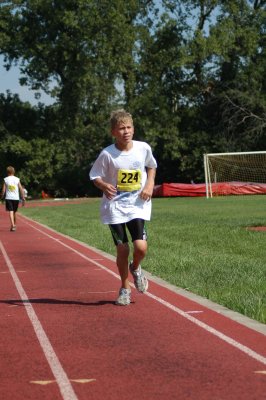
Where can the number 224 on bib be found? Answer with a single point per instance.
(128, 180)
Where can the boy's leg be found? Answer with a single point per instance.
(140, 248)
(140, 281)
(12, 214)
(138, 233)
(11, 217)
(122, 250)
(10, 209)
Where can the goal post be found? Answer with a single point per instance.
(235, 173)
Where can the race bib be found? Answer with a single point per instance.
(12, 188)
(128, 180)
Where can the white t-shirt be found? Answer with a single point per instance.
(12, 191)
(125, 170)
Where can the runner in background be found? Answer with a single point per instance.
(125, 173)
(25, 192)
(11, 190)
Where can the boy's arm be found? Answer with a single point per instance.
(3, 191)
(147, 191)
(108, 189)
(21, 193)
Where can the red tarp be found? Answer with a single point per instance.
(199, 189)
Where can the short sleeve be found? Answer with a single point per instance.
(150, 161)
(98, 169)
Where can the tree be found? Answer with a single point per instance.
(192, 72)
(239, 85)
(221, 91)
(75, 45)
(25, 143)
(73, 51)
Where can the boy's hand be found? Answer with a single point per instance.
(109, 191)
(146, 193)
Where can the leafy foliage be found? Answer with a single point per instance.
(191, 72)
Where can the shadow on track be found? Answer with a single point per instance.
(56, 302)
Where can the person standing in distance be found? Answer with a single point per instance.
(125, 173)
(11, 190)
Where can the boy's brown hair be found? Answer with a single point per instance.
(118, 116)
(10, 170)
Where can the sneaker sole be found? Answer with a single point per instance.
(121, 304)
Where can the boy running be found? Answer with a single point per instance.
(10, 191)
(125, 173)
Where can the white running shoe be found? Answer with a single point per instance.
(140, 281)
(124, 297)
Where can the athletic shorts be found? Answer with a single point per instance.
(12, 205)
(136, 228)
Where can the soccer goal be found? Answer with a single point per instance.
(235, 173)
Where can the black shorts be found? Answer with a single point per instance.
(12, 205)
(136, 229)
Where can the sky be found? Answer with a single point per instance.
(9, 80)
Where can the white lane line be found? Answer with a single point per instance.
(61, 378)
(211, 330)
(194, 312)
(177, 310)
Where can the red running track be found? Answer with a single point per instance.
(62, 337)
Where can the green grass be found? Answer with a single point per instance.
(198, 244)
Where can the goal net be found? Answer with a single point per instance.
(235, 173)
